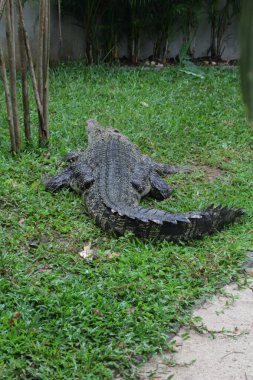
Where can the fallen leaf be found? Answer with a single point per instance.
(43, 269)
(21, 221)
(111, 255)
(17, 315)
(15, 318)
(87, 253)
(98, 312)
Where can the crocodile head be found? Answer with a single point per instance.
(98, 133)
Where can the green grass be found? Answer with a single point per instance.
(64, 318)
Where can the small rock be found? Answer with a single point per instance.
(152, 63)
(178, 342)
(34, 243)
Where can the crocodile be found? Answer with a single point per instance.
(112, 175)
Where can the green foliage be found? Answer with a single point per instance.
(107, 23)
(87, 13)
(64, 318)
(220, 15)
(247, 57)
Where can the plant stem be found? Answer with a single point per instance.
(46, 48)
(31, 67)
(23, 65)
(8, 102)
(12, 67)
(2, 5)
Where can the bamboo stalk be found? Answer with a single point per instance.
(40, 69)
(23, 65)
(60, 27)
(8, 102)
(40, 48)
(12, 67)
(246, 61)
(166, 49)
(31, 67)
(2, 5)
(46, 47)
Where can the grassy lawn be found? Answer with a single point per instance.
(64, 318)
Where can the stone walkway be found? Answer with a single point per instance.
(220, 347)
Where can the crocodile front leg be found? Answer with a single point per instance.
(73, 156)
(58, 181)
(77, 176)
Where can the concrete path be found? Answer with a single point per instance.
(219, 348)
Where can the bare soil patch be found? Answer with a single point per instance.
(211, 173)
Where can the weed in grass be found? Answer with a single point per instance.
(62, 317)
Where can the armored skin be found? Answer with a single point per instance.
(112, 175)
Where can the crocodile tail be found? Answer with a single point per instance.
(222, 216)
(157, 224)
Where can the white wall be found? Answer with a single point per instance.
(31, 17)
(73, 42)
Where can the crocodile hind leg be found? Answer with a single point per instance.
(159, 188)
(139, 178)
(58, 181)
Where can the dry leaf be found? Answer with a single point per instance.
(21, 221)
(111, 255)
(15, 318)
(43, 269)
(17, 315)
(87, 253)
(98, 312)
